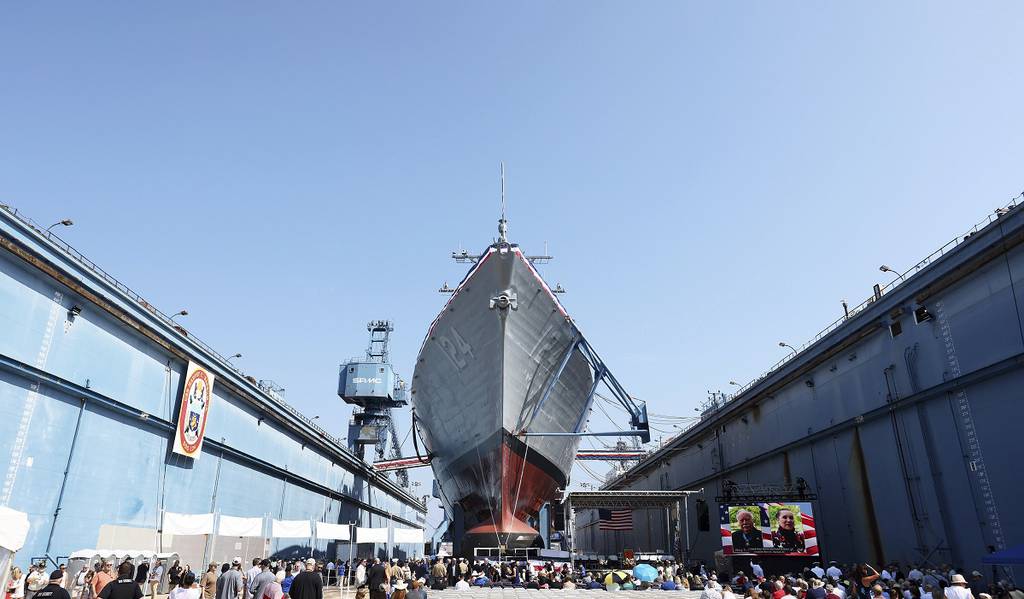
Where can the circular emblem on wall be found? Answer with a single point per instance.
(192, 421)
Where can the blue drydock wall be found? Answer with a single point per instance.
(90, 377)
(911, 441)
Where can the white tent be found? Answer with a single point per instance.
(13, 530)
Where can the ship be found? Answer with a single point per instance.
(502, 391)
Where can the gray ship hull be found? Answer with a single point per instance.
(480, 378)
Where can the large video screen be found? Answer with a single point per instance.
(768, 528)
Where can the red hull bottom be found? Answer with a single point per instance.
(525, 487)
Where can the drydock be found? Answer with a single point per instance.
(899, 424)
(90, 378)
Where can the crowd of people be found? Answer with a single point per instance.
(854, 581)
(412, 579)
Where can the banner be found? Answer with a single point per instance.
(768, 528)
(409, 535)
(334, 532)
(187, 524)
(291, 529)
(195, 406)
(371, 535)
(231, 526)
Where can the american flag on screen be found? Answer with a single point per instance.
(615, 519)
(726, 530)
(810, 534)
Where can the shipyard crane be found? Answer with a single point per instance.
(373, 388)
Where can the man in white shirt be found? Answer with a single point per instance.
(818, 570)
(36, 580)
(711, 591)
(957, 588)
(915, 574)
(462, 585)
(361, 573)
(250, 575)
(757, 570)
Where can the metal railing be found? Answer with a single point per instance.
(94, 268)
(901, 278)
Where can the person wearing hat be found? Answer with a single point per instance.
(36, 580)
(53, 590)
(229, 583)
(957, 588)
(399, 589)
(307, 584)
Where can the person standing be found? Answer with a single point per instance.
(957, 588)
(86, 591)
(257, 584)
(16, 585)
(36, 580)
(209, 582)
(124, 587)
(142, 575)
(153, 578)
(101, 579)
(330, 569)
(53, 590)
(187, 588)
(361, 573)
(307, 584)
(377, 580)
(250, 575)
(229, 584)
(174, 574)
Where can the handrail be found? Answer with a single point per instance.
(108, 278)
(901, 278)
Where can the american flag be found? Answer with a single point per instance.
(615, 519)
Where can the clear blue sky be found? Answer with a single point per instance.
(713, 177)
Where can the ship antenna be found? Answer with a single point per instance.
(502, 223)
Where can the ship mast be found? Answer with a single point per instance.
(502, 223)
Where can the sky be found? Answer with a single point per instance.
(712, 177)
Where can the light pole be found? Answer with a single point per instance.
(233, 357)
(885, 268)
(67, 222)
(791, 348)
(179, 313)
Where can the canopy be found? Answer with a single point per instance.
(1011, 556)
(13, 529)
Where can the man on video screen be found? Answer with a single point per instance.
(748, 536)
(786, 536)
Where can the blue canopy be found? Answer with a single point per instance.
(1013, 555)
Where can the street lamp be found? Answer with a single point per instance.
(179, 313)
(885, 268)
(735, 383)
(233, 357)
(791, 348)
(67, 222)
